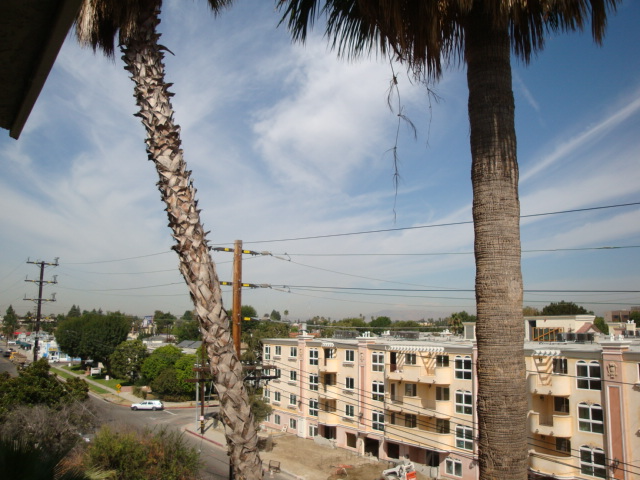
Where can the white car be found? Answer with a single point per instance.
(148, 405)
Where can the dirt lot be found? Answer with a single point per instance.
(311, 461)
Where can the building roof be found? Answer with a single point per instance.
(31, 35)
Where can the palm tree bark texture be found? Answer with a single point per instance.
(143, 57)
(502, 400)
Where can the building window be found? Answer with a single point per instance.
(313, 408)
(560, 366)
(293, 352)
(593, 462)
(561, 404)
(293, 399)
(278, 351)
(377, 362)
(588, 375)
(266, 393)
(276, 396)
(563, 445)
(313, 356)
(350, 356)
(350, 383)
(590, 418)
(463, 367)
(464, 437)
(329, 379)
(352, 440)
(313, 430)
(293, 423)
(267, 352)
(410, 390)
(442, 394)
(377, 421)
(443, 426)
(377, 390)
(293, 375)
(278, 373)
(410, 420)
(453, 467)
(276, 419)
(313, 382)
(329, 353)
(442, 361)
(409, 358)
(392, 418)
(464, 402)
(349, 410)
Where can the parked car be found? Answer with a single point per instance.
(7, 353)
(148, 405)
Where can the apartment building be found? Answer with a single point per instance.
(414, 396)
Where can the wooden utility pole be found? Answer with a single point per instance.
(237, 295)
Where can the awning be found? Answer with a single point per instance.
(414, 348)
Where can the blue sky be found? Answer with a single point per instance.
(286, 142)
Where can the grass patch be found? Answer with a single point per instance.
(94, 388)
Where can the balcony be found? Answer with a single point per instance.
(555, 466)
(329, 418)
(406, 373)
(437, 376)
(328, 365)
(552, 425)
(550, 384)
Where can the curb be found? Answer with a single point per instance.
(195, 434)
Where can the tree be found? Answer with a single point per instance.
(135, 24)
(163, 454)
(530, 312)
(93, 335)
(635, 316)
(380, 323)
(10, 323)
(275, 315)
(425, 35)
(159, 360)
(601, 325)
(187, 330)
(127, 359)
(74, 311)
(564, 308)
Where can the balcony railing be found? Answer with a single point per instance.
(552, 425)
(555, 466)
(550, 384)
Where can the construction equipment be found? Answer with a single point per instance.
(402, 471)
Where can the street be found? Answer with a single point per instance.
(215, 460)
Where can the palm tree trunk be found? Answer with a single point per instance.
(144, 60)
(502, 401)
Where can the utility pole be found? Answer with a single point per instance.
(39, 300)
(237, 295)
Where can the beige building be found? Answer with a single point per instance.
(415, 397)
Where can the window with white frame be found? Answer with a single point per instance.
(266, 393)
(410, 420)
(453, 467)
(442, 394)
(377, 421)
(589, 375)
(593, 462)
(463, 367)
(464, 402)
(590, 418)
(293, 352)
(277, 372)
(329, 353)
(464, 437)
(410, 390)
(350, 356)
(313, 408)
(560, 366)
(409, 358)
(349, 410)
(293, 399)
(442, 361)
(293, 423)
(313, 430)
(350, 383)
(313, 382)
(276, 419)
(278, 352)
(313, 356)
(377, 391)
(293, 375)
(268, 418)
(276, 396)
(267, 352)
(377, 362)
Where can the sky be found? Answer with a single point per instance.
(289, 148)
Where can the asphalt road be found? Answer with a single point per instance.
(215, 460)
(6, 365)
